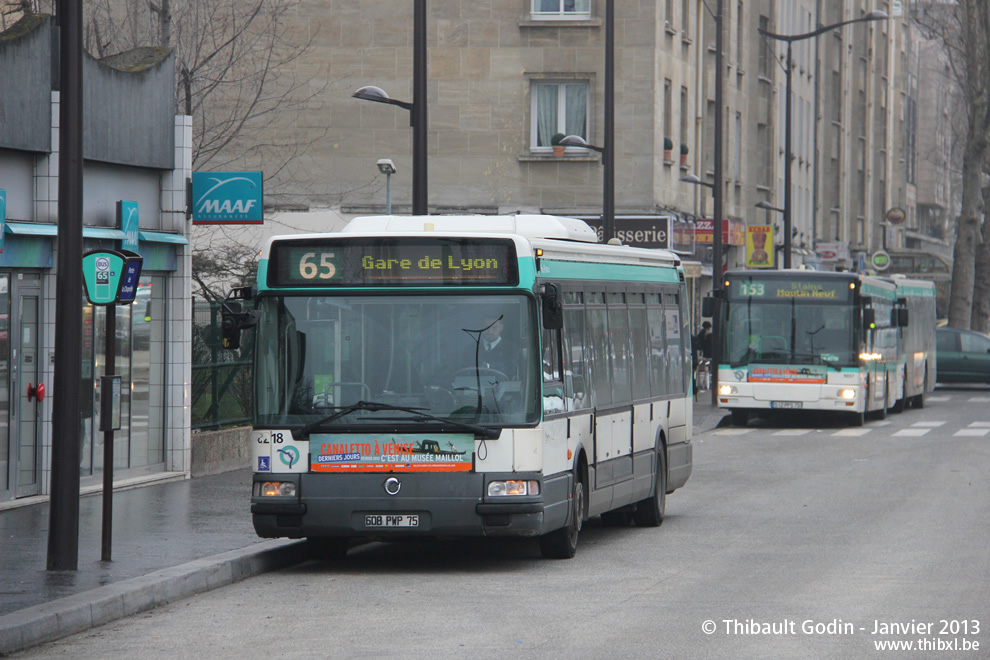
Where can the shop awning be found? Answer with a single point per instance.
(162, 237)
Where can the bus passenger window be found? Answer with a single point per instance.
(553, 386)
(575, 360)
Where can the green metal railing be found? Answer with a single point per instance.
(221, 379)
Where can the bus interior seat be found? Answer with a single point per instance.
(772, 343)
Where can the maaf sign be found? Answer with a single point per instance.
(227, 198)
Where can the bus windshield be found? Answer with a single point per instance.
(467, 358)
(790, 332)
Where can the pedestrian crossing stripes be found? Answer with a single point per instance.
(852, 432)
(979, 399)
(937, 398)
(977, 433)
(915, 432)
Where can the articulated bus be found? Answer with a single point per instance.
(809, 340)
(464, 376)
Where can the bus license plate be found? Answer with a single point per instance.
(391, 520)
(786, 404)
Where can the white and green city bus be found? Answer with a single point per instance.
(381, 414)
(810, 340)
(916, 341)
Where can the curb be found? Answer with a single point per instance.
(72, 614)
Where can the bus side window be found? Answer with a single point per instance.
(575, 360)
(553, 385)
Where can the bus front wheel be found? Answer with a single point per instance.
(327, 547)
(562, 543)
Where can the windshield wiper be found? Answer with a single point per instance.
(418, 413)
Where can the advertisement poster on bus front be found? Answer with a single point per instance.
(391, 453)
(773, 373)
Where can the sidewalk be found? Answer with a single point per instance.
(171, 540)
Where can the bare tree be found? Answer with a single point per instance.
(237, 64)
(963, 28)
(217, 268)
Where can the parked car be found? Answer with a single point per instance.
(962, 356)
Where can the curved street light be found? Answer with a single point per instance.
(379, 95)
(693, 178)
(789, 39)
(417, 108)
(578, 141)
(767, 206)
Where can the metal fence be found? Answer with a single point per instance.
(221, 379)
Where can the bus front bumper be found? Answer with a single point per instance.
(448, 504)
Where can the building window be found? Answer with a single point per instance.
(765, 52)
(558, 107)
(562, 9)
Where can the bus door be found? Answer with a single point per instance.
(321, 337)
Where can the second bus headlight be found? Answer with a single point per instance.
(505, 488)
(726, 390)
(847, 393)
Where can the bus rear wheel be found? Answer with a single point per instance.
(562, 543)
(649, 512)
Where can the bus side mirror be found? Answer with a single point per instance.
(553, 310)
(233, 318)
(708, 306)
(901, 317)
(230, 332)
(869, 318)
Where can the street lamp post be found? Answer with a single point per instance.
(789, 39)
(608, 151)
(387, 167)
(767, 206)
(417, 109)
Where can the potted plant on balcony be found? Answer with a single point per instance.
(558, 149)
(668, 146)
(684, 154)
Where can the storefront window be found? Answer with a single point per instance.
(140, 363)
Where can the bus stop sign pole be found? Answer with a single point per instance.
(110, 276)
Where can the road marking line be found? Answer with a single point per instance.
(882, 423)
(733, 431)
(928, 424)
(852, 432)
(979, 399)
(913, 432)
(792, 431)
(980, 424)
(937, 398)
(972, 432)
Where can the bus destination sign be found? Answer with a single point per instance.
(393, 262)
(780, 289)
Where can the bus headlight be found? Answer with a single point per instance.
(847, 394)
(726, 390)
(274, 489)
(505, 488)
